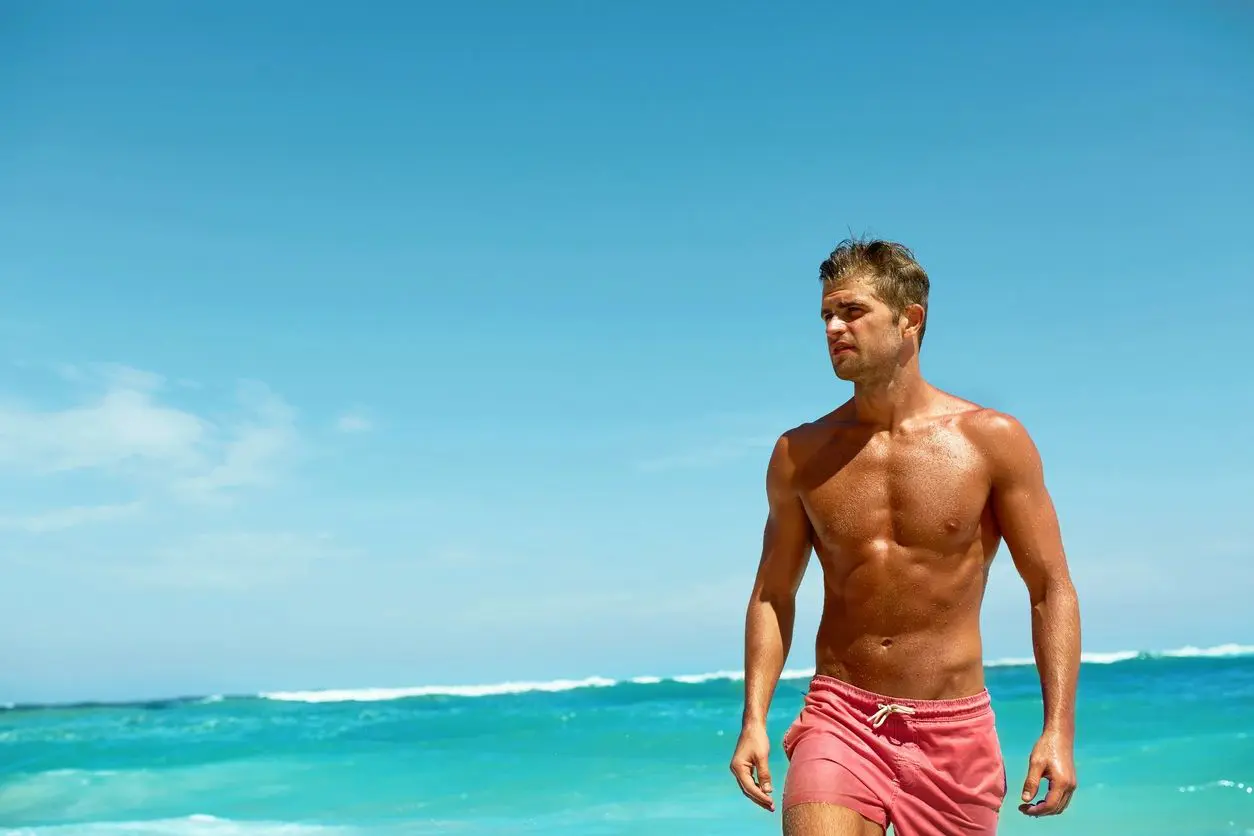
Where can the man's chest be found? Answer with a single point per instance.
(928, 491)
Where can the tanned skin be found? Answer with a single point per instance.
(904, 493)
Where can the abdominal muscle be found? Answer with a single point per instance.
(903, 622)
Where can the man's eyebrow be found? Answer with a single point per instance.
(828, 304)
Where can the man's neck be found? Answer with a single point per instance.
(888, 403)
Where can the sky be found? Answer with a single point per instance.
(437, 344)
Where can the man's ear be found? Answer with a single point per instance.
(915, 316)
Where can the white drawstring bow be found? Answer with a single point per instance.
(878, 718)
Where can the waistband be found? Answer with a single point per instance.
(958, 708)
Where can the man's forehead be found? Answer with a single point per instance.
(849, 290)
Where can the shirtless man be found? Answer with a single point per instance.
(904, 493)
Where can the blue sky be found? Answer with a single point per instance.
(447, 344)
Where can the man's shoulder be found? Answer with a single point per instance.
(990, 427)
(797, 443)
(789, 442)
(1001, 438)
(819, 430)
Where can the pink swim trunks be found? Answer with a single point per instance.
(927, 767)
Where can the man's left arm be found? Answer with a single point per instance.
(1029, 525)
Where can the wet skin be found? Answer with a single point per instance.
(903, 527)
(903, 494)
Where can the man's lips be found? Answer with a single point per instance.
(839, 348)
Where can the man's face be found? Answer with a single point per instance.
(864, 336)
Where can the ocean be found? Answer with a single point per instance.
(1165, 746)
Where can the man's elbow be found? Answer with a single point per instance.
(775, 596)
(1053, 590)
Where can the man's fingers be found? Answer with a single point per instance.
(1051, 805)
(1068, 790)
(764, 776)
(743, 770)
(743, 773)
(1033, 782)
(1055, 801)
(762, 784)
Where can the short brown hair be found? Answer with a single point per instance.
(898, 279)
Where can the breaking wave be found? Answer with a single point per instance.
(334, 695)
(511, 688)
(496, 690)
(1222, 651)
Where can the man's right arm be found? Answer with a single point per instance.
(786, 544)
(769, 619)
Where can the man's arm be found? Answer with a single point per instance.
(786, 543)
(769, 619)
(1029, 525)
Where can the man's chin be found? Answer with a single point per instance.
(845, 373)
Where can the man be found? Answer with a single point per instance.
(904, 493)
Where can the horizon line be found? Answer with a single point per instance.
(1227, 650)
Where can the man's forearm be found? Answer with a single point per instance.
(768, 636)
(1056, 644)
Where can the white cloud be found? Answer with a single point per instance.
(354, 422)
(124, 426)
(133, 432)
(125, 429)
(253, 449)
(63, 518)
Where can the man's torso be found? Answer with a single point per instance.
(905, 533)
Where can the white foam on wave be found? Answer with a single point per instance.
(1230, 650)
(796, 673)
(381, 694)
(1222, 651)
(1111, 657)
(1009, 662)
(1107, 658)
(197, 824)
(699, 678)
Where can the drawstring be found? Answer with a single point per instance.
(878, 718)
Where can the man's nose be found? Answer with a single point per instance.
(835, 326)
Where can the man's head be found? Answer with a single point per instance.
(874, 307)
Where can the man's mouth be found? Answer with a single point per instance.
(839, 348)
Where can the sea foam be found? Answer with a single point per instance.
(495, 690)
(1230, 650)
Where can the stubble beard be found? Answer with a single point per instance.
(864, 371)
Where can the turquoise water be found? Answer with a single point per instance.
(1166, 746)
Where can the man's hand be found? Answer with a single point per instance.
(749, 765)
(1052, 759)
